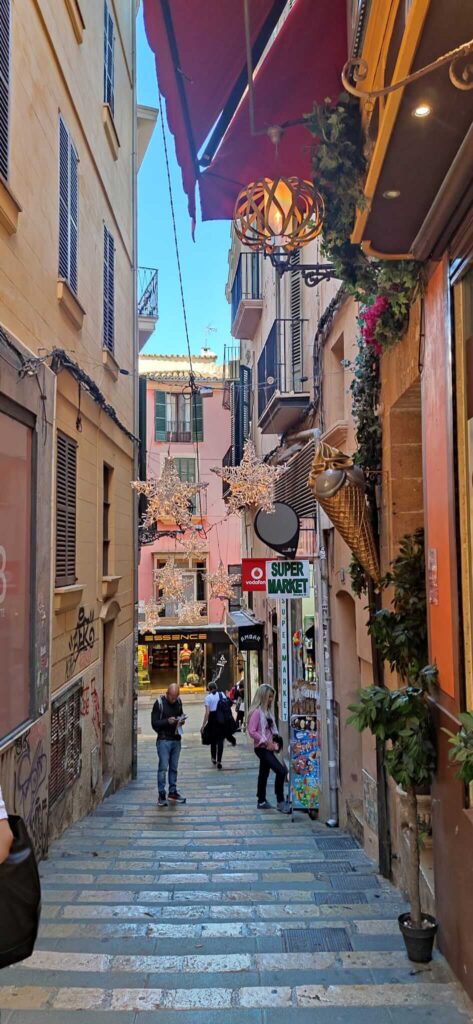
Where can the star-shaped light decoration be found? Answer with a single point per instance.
(152, 615)
(251, 483)
(221, 583)
(194, 544)
(170, 581)
(190, 612)
(169, 498)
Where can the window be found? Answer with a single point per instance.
(66, 494)
(194, 585)
(108, 60)
(178, 417)
(66, 743)
(108, 291)
(235, 602)
(16, 471)
(106, 539)
(68, 207)
(4, 86)
(186, 472)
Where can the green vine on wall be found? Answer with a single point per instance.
(386, 287)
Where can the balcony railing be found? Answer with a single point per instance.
(177, 431)
(281, 363)
(148, 292)
(231, 362)
(232, 457)
(247, 281)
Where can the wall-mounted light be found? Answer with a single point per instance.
(391, 193)
(422, 110)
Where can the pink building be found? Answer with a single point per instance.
(196, 432)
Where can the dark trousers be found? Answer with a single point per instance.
(216, 750)
(268, 762)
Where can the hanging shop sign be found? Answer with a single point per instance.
(250, 638)
(285, 579)
(284, 662)
(253, 574)
(279, 529)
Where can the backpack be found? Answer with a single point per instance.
(223, 713)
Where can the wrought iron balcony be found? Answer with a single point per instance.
(147, 303)
(283, 392)
(247, 299)
(231, 362)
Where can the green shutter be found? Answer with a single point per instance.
(159, 415)
(197, 418)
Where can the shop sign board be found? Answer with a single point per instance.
(250, 638)
(253, 574)
(288, 579)
(284, 662)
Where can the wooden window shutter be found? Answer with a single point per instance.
(108, 290)
(108, 60)
(159, 415)
(197, 418)
(66, 498)
(68, 207)
(296, 356)
(4, 86)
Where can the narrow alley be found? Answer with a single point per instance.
(214, 911)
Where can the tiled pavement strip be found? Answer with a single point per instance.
(215, 911)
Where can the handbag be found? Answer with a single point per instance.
(205, 735)
(20, 897)
(278, 740)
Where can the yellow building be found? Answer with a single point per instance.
(68, 346)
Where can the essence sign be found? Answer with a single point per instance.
(287, 579)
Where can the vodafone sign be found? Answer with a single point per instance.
(253, 574)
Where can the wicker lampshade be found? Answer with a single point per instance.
(283, 214)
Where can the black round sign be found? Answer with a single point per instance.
(279, 529)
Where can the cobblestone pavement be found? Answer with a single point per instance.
(218, 912)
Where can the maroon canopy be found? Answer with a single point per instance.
(200, 53)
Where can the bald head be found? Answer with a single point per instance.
(172, 693)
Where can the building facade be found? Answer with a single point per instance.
(68, 351)
(194, 428)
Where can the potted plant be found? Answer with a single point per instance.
(461, 747)
(401, 718)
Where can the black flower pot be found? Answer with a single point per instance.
(418, 941)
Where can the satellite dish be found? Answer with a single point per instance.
(279, 529)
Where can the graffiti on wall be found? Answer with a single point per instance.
(42, 657)
(31, 770)
(91, 700)
(81, 643)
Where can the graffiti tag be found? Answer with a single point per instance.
(30, 776)
(82, 639)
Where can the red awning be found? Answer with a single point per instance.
(200, 55)
(302, 67)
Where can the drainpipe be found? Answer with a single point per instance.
(134, 171)
(326, 675)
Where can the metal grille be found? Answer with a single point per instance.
(66, 494)
(340, 868)
(108, 290)
(292, 485)
(326, 843)
(66, 742)
(4, 85)
(358, 881)
(337, 899)
(316, 940)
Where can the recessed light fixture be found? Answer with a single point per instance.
(422, 110)
(391, 193)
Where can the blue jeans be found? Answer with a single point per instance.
(168, 758)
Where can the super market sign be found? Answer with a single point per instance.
(287, 579)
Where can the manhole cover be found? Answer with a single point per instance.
(336, 843)
(316, 940)
(339, 868)
(332, 899)
(356, 881)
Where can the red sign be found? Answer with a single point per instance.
(253, 574)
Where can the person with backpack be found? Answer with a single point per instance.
(167, 719)
(261, 727)
(219, 723)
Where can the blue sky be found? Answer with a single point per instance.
(204, 262)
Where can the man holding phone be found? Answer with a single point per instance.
(167, 719)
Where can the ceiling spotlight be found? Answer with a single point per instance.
(422, 110)
(391, 193)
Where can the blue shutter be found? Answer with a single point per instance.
(197, 412)
(108, 60)
(108, 290)
(4, 86)
(160, 415)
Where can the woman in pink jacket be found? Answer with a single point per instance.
(261, 726)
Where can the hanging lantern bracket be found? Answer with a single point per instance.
(312, 273)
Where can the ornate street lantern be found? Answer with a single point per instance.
(278, 216)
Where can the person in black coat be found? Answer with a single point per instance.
(218, 724)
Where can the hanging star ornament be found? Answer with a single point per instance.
(190, 612)
(251, 483)
(169, 580)
(221, 583)
(169, 498)
(194, 544)
(152, 612)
